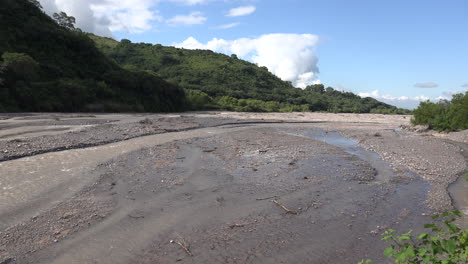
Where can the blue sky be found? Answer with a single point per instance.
(396, 51)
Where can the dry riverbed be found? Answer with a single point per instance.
(217, 187)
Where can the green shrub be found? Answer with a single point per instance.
(198, 100)
(446, 243)
(444, 115)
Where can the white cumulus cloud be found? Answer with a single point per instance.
(187, 20)
(289, 56)
(241, 11)
(102, 17)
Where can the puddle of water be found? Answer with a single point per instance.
(458, 192)
(384, 171)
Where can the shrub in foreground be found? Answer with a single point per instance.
(445, 243)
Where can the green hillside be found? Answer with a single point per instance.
(229, 83)
(214, 73)
(46, 67)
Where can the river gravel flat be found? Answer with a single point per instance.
(217, 187)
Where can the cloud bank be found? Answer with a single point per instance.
(401, 101)
(465, 85)
(289, 56)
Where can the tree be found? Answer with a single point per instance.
(36, 3)
(21, 66)
(125, 42)
(317, 88)
(64, 20)
(2, 69)
(198, 100)
(329, 90)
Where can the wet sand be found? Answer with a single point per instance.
(223, 187)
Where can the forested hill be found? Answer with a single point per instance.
(229, 83)
(214, 73)
(47, 67)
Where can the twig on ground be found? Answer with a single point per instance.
(183, 244)
(288, 211)
(136, 216)
(266, 198)
(236, 225)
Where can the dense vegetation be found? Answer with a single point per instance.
(45, 66)
(218, 81)
(444, 115)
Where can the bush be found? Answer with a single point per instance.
(198, 100)
(446, 243)
(444, 115)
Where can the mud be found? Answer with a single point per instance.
(245, 193)
(19, 137)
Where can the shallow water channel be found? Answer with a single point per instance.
(351, 146)
(459, 196)
(457, 190)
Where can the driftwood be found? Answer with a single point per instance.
(236, 225)
(266, 198)
(288, 211)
